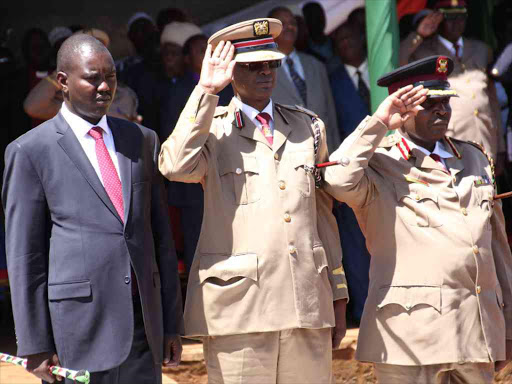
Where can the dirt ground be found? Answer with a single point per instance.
(346, 371)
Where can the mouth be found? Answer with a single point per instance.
(103, 100)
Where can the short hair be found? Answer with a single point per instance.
(191, 40)
(73, 46)
(277, 9)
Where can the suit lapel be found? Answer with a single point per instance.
(123, 149)
(71, 146)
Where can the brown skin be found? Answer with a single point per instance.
(39, 365)
(173, 60)
(349, 42)
(194, 59)
(286, 40)
(89, 85)
(254, 88)
(430, 124)
(452, 29)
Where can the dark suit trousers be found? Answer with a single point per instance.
(139, 367)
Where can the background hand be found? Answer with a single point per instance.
(39, 365)
(400, 106)
(217, 69)
(340, 329)
(428, 26)
(172, 350)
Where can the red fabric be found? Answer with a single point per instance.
(413, 79)
(407, 7)
(264, 118)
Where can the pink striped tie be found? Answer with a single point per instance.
(109, 175)
(264, 118)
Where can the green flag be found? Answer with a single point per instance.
(383, 44)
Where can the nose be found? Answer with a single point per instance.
(443, 109)
(103, 87)
(265, 69)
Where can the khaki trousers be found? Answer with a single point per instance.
(296, 356)
(452, 373)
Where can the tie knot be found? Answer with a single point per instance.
(436, 157)
(96, 133)
(264, 118)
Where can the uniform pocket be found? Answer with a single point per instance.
(240, 179)
(418, 205)
(303, 180)
(409, 297)
(225, 269)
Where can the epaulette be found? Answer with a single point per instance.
(298, 108)
(454, 149)
(489, 158)
(219, 111)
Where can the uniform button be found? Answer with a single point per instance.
(127, 279)
(475, 250)
(491, 197)
(473, 95)
(287, 218)
(478, 289)
(464, 211)
(502, 305)
(126, 236)
(282, 185)
(238, 171)
(417, 197)
(345, 161)
(276, 156)
(292, 249)
(408, 306)
(454, 179)
(476, 112)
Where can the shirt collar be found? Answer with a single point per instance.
(80, 126)
(352, 70)
(439, 149)
(253, 112)
(448, 44)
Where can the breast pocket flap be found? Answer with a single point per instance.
(415, 192)
(409, 297)
(238, 166)
(71, 290)
(226, 267)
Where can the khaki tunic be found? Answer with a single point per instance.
(441, 269)
(476, 112)
(261, 264)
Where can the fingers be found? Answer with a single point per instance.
(398, 94)
(218, 50)
(411, 98)
(208, 53)
(230, 69)
(225, 51)
(167, 353)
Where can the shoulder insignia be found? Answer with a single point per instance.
(489, 158)
(452, 146)
(298, 108)
(389, 141)
(219, 111)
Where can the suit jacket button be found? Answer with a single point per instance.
(126, 236)
(127, 279)
(478, 289)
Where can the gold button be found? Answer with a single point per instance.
(473, 95)
(417, 197)
(292, 249)
(475, 250)
(476, 112)
(502, 305)
(276, 156)
(464, 211)
(454, 179)
(238, 171)
(287, 218)
(468, 81)
(478, 289)
(282, 185)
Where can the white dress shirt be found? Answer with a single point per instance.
(352, 73)
(439, 150)
(449, 45)
(251, 113)
(297, 65)
(81, 128)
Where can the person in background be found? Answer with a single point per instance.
(319, 43)
(350, 86)
(140, 27)
(476, 112)
(168, 15)
(302, 79)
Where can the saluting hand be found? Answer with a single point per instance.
(401, 105)
(428, 26)
(217, 68)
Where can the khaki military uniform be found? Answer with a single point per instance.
(441, 269)
(261, 263)
(476, 112)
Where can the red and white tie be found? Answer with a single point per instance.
(108, 171)
(264, 118)
(437, 159)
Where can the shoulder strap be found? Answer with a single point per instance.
(489, 158)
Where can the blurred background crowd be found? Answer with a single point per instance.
(326, 70)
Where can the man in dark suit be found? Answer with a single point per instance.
(91, 261)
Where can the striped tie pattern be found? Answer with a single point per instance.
(264, 119)
(297, 80)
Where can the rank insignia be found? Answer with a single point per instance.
(261, 28)
(239, 120)
(404, 149)
(482, 180)
(442, 64)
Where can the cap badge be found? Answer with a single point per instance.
(261, 28)
(442, 65)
